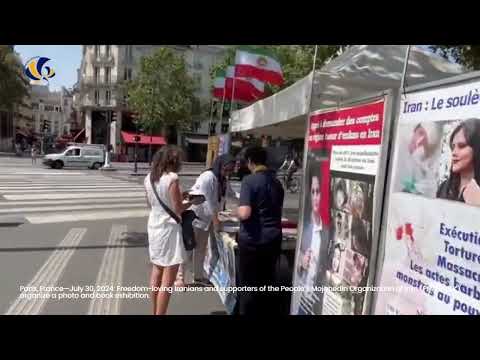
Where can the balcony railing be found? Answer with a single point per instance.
(102, 102)
(97, 81)
(102, 59)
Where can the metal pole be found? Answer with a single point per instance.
(107, 155)
(405, 67)
(233, 94)
(136, 147)
(150, 149)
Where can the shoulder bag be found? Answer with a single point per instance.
(186, 221)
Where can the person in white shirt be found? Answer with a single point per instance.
(213, 184)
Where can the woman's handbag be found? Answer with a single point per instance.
(186, 222)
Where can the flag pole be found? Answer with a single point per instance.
(212, 102)
(223, 101)
(233, 91)
(313, 77)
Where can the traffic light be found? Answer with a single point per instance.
(225, 126)
(212, 128)
(46, 125)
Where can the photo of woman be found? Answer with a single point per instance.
(340, 195)
(360, 239)
(463, 181)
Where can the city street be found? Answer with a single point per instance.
(83, 229)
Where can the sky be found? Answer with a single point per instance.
(65, 60)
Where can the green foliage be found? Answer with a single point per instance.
(467, 55)
(14, 86)
(163, 92)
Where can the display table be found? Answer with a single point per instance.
(221, 260)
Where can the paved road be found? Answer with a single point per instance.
(83, 231)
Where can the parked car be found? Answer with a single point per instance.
(91, 156)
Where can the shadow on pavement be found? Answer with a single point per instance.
(139, 238)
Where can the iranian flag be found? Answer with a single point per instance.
(219, 84)
(261, 64)
(246, 89)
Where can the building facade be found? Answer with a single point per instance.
(100, 96)
(7, 131)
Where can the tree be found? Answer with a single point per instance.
(466, 55)
(14, 86)
(163, 92)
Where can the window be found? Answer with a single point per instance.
(128, 52)
(198, 79)
(107, 75)
(127, 74)
(49, 108)
(107, 97)
(97, 51)
(73, 152)
(35, 106)
(107, 50)
(65, 102)
(96, 72)
(97, 97)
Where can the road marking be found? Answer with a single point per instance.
(110, 274)
(46, 196)
(73, 190)
(87, 216)
(72, 208)
(128, 201)
(69, 187)
(64, 183)
(17, 174)
(48, 275)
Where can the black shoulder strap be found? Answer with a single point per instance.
(165, 207)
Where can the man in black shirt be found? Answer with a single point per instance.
(260, 237)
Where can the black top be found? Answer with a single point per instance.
(442, 193)
(264, 193)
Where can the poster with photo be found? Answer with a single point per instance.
(432, 243)
(219, 265)
(343, 155)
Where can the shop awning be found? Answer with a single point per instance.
(129, 138)
(202, 141)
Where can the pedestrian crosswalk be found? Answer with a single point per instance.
(105, 296)
(55, 197)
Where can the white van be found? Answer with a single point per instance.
(91, 156)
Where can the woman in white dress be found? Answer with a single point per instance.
(166, 247)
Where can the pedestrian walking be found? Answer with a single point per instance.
(213, 184)
(166, 247)
(260, 237)
(34, 154)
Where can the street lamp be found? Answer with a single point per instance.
(135, 121)
(111, 116)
